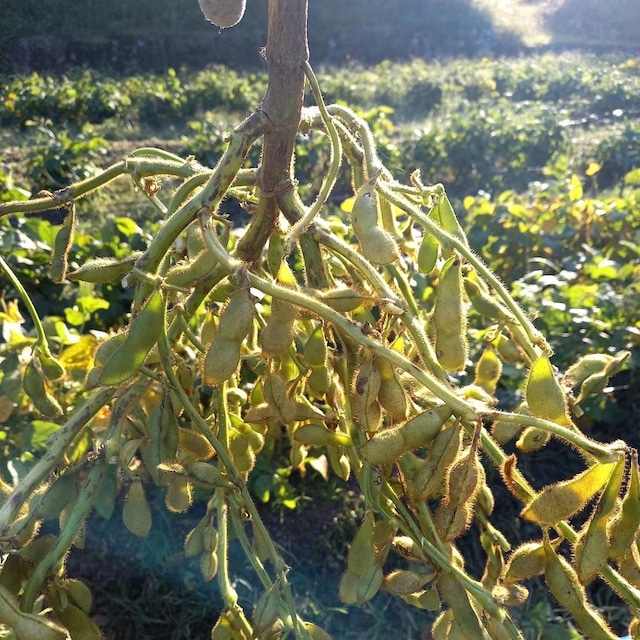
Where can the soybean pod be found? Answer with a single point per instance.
(143, 333)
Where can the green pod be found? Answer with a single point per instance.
(34, 386)
(386, 446)
(456, 596)
(236, 318)
(391, 396)
(51, 367)
(143, 333)
(430, 478)
(378, 246)
(278, 335)
(342, 299)
(107, 348)
(186, 273)
(364, 214)
(315, 349)
(623, 528)
(101, 270)
(428, 254)
(483, 303)
(450, 320)
(449, 221)
(221, 360)
(318, 435)
(275, 253)
(61, 247)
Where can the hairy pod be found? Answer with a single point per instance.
(562, 500)
(194, 446)
(386, 446)
(33, 384)
(315, 349)
(108, 347)
(209, 564)
(27, 626)
(236, 318)
(533, 439)
(592, 547)
(391, 396)
(488, 370)
(403, 582)
(367, 384)
(275, 393)
(526, 561)
(279, 332)
(319, 381)
(565, 587)
(456, 596)
(102, 270)
(223, 13)
(52, 368)
(342, 299)
(507, 349)
(187, 272)
(194, 542)
(364, 214)
(267, 610)
(430, 478)
(450, 320)
(623, 528)
(221, 360)
(136, 514)
(442, 625)
(378, 246)
(449, 221)
(544, 395)
(143, 333)
(464, 479)
(429, 248)
(512, 595)
(179, 494)
(451, 521)
(316, 434)
(62, 246)
(483, 303)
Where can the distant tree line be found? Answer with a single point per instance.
(154, 34)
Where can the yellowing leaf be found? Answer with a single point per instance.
(562, 500)
(80, 354)
(575, 191)
(347, 205)
(593, 168)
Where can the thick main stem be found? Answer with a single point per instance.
(286, 52)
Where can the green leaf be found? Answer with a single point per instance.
(89, 304)
(127, 227)
(42, 429)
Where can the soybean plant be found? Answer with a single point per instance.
(231, 347)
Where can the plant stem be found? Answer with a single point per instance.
(42, 342)
(56, 449)
(80, 510)
(334, 163)
(463, 408)
(535, 337)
